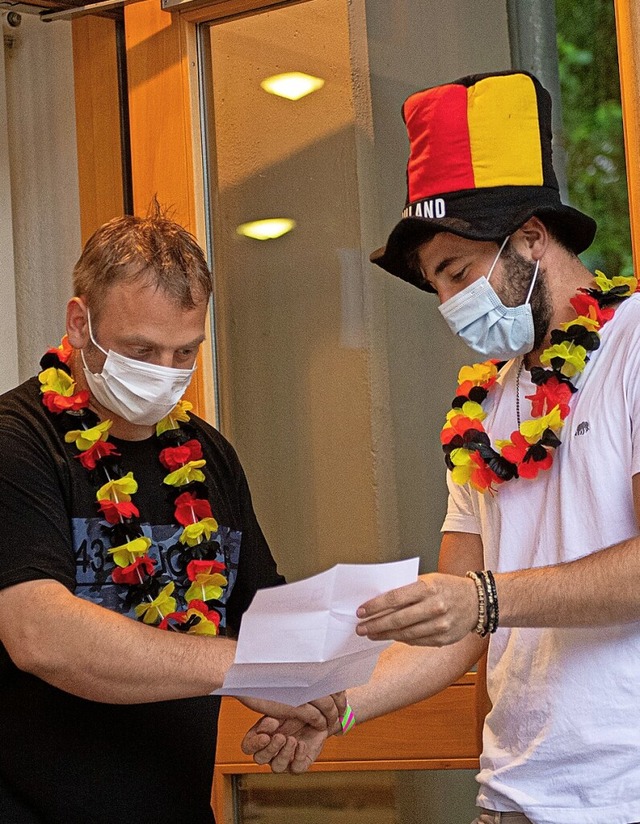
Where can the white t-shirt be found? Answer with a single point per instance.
(562, 742)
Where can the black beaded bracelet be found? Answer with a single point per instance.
(491, 597)
(493, 609)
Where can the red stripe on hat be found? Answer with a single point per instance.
(440, 159)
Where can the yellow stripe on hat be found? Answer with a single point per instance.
(504, 132)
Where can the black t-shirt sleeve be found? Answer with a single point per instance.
(35, 539)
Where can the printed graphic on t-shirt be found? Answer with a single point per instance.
(94, 565)
(582, 428)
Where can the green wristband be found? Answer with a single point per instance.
(348, 720)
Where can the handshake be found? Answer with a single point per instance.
(290, 739)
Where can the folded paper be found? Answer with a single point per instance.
(298, 641)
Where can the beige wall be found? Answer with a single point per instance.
(8, 324)
(39, 155)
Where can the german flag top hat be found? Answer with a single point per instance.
(479, 166)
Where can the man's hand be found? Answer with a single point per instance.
(434, 611)
(287, 746)
(322, 714)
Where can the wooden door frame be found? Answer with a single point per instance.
(628, 34)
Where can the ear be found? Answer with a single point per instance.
(77, 325)
(532, 238)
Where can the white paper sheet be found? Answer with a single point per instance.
(298, 641)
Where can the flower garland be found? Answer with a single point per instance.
(181, 454)
(467, 447)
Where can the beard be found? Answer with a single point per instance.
(516, 281)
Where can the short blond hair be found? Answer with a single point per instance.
(153, 249)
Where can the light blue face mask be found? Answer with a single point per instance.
(478, 316)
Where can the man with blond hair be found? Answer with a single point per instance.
(129, 551)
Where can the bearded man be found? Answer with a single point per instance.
(540, 553)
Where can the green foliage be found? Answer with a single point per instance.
(592, 119)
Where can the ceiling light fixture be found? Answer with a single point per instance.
(268, 229)
(292, 85)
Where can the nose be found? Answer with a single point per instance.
(165, 359)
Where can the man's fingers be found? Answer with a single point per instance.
(253, 742)
(301, 760)
(340, 699)
(392, 600)
(259, 736)
(403, 619)
(272, 750)
(281, 761)
(311, 715)
(267, 725)
(327, 706)
(308, 749)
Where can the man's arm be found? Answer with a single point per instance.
(403, 675)
(99, 655)
(406, 674)
(599, 589)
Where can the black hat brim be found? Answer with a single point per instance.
(489, 215)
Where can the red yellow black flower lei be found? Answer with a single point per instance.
(467, 447)
(181, 454)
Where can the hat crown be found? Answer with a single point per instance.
(479, 132)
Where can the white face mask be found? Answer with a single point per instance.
(478, 316)
(141, 393)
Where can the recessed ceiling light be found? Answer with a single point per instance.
(268, 229)
(292, 85)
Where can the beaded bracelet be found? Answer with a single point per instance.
(348, 720)
(493, 612)
(481, 626)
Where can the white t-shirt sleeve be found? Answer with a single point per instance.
(633, 400)
(461, 516)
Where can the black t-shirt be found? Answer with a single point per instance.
(66, 760)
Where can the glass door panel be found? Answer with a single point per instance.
(289, 309)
